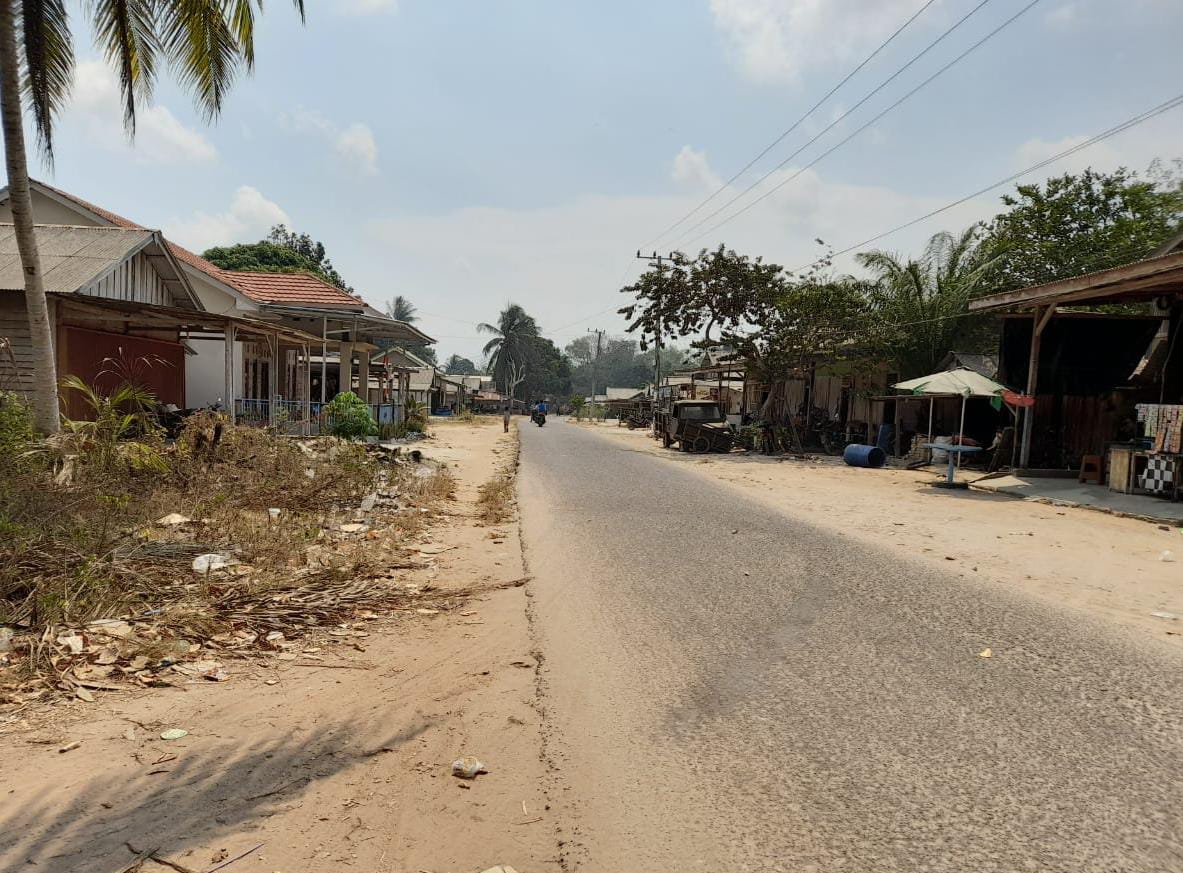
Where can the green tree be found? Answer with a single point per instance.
(261, 257)
(458, 366)
(921, 304)
(514, 339)
(207, 42)
(402, 309)
(1075, 224)
(548, 371)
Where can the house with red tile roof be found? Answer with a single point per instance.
(256, 378)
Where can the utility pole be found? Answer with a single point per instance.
(596, 361)
(655, 260)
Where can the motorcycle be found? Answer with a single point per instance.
(539, 418)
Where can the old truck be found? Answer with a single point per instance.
(695, 425)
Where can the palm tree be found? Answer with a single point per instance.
(402, 309)
(206, 41)
(923, 302)
(513, 341)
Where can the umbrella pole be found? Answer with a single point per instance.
(961, 438)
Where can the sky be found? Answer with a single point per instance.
(471, 153)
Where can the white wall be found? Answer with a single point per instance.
(205, 372)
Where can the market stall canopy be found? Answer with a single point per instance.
(962, 382)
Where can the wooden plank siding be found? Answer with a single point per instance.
(135, 280)
(14, 326)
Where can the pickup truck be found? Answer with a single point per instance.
(695, 425)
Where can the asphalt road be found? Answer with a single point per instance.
(729, 688)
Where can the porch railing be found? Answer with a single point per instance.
(290, 415)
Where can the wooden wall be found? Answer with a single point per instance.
(14, 325)
(136, 280)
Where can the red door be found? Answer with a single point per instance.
(106, 360)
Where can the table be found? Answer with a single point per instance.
(953, 451)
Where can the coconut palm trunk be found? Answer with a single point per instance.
(46, 417)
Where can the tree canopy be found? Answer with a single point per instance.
(282, 251)
(1075, 224)
(458, 366)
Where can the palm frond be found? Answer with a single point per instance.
(242, 22)
(125, 31)
(485, 327)
(48, 64)
(204, 48)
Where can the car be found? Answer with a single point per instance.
(696, 426)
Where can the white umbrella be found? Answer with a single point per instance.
(962, 382)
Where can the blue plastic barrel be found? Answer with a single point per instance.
(857, 455)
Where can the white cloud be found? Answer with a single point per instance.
(691, 170)
(356, 145)
(776, 41)
(160, 136)
(249, 218)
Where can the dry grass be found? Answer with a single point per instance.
(495, 498)
(87, 546)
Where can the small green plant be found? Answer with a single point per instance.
(122, 432)
(16, 425)
(578, 402)
(416, 415)
(349, 417)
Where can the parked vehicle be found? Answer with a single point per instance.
(696, 426)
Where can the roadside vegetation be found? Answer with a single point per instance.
(220, 538)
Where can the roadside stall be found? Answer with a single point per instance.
(961, 384)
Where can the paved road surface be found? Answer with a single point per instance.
(732, 689)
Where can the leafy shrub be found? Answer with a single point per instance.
(16, 424)
(416, 415)
(349, 417)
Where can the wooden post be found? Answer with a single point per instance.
(307, 390)
(961, 436)
(363, 374)
(1039, 321)
(273, 379)
(228, 334)
(898, 426)
(324, 357)
(345, 371)
(931, 401)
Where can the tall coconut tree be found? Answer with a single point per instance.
(514, 340)
(402, 309)
(207, 43)
(923, 302)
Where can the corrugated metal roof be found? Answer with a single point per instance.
(71, 257)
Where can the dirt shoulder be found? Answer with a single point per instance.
(1086, 560)
(336, 759)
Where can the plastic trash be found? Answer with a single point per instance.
(468, 767)
(174, 734)
(210, 562)
(1167, 556)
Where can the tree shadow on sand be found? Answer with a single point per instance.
(206, 794)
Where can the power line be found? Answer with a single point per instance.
(847, 139)
(801, 120)
(1129, 123)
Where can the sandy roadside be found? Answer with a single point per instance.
(1086, 560)
(322, 765)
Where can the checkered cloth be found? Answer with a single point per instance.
(1159, 475)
